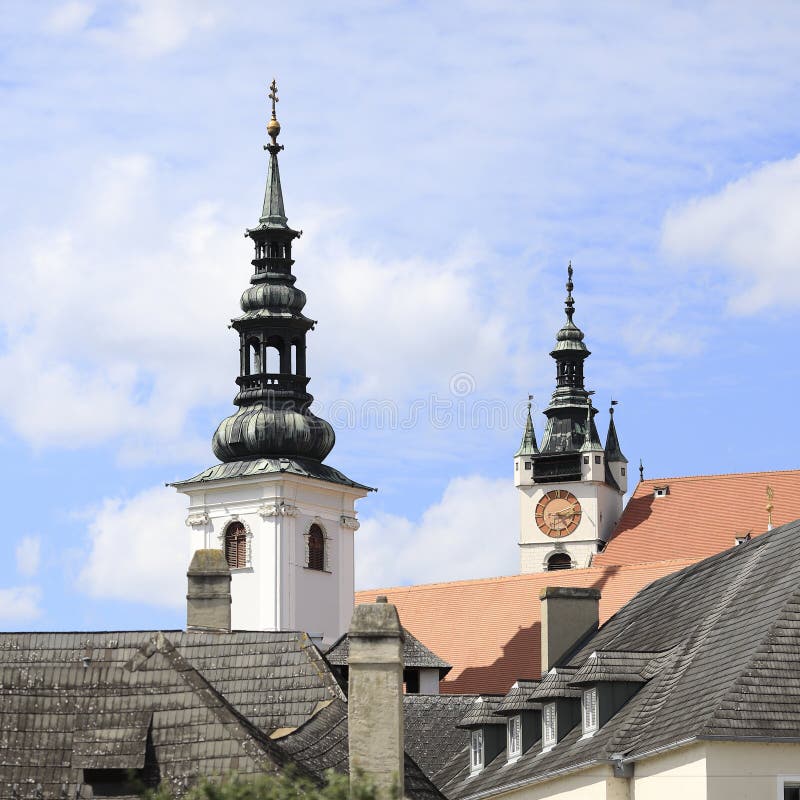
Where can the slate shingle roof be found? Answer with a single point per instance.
(556, 683)
(321, 744)
(432, 734)
(415, 654)
(488, 629)
(177, 705)
(610, 666)
(519, 698)
(727, 631)
(276, 679)
(483, 711)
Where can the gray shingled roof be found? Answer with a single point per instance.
(556, 683)
(728, 629)
(518, 698)
(264, 466)
(59, 720)
(483, 711)
(415, 654)
(432, 734)
(606, 666)
(192, 703)
(321, 744)
(276, 679)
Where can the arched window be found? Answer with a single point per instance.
(316, 548)
(559, 561)
(236, 545)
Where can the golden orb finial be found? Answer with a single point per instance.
(273, 126)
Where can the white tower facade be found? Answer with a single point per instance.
(572, 488)
(283, 517)
(275, 582)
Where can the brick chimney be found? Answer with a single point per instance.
(569, 613)
(375, 697)
(208, 601)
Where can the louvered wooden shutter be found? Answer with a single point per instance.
(316, 548)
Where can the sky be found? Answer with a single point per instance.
(445, 162)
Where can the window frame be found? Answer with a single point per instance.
(241, 543)
(549, 741)
(476, 750)
(311, 550)
(514, 736)
(786, 782)
(589, 711)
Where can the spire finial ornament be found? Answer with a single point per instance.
(273, 126)
(569, 303)
(611, 408)
(770, 507)
(641, 471)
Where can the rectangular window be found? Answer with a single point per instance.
(549, 725)
(514, 737)
(586, 459)
(598, 459)
(622, 470)
(791, 790)
(590, 710)
(527, 465)
(476, 760)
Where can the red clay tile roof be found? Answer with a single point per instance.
(489, 629)
(700, 516)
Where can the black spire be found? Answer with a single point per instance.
(273, 419)
(613, 450)
(528, 446)
(570, 416)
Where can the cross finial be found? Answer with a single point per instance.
(273, 95)
(569, 302)
(273, 126)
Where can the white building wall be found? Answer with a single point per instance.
(276, 590)
(680, 773)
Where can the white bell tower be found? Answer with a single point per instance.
(571, 489)
(284, 519)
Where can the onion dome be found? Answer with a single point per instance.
(274, 418)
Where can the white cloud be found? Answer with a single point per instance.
(138, 549)
(29, 552)
(156, 27)
(69, 17)
(119, 314)
(749, 231)
(20, 603)
(470, 533)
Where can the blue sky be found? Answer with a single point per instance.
(445, 162)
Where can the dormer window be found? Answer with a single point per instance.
(660, 491)
(514, 745)
(548, 726)
(589, 706)
(476, 751)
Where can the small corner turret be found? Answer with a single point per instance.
(571, 487)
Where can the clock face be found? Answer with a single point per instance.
(558, 513)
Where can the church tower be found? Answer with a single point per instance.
(284, 518)
(571, 488)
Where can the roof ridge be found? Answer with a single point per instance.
(717, 475)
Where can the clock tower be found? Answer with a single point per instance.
(571, 488)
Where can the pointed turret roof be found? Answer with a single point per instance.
(528, 446)
(613, 450)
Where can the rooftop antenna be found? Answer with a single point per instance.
(770, 507)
